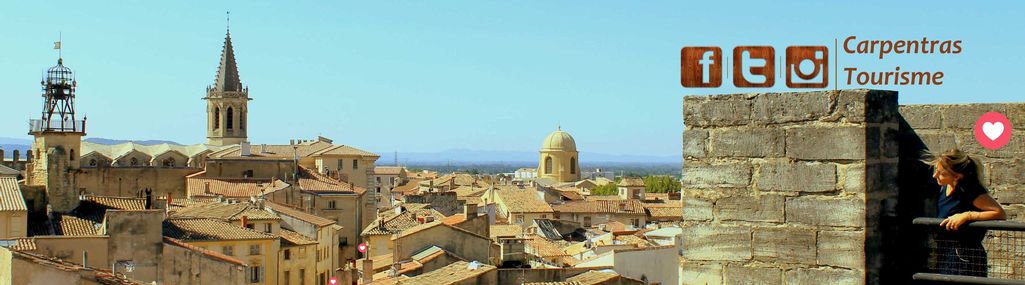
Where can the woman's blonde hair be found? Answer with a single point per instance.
(956, 161)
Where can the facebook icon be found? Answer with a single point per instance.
(701, 66)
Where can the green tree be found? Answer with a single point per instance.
(661, 184)
(607, 189)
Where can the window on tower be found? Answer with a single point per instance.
(242, 121)
(572, 165)
(217, 118)
(230, 118)
(548, 165)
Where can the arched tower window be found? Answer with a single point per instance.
(230, 119)
(217, 117)
(572, 165)
(548, 165)
(242, 120)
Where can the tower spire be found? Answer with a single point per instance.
(227, 73)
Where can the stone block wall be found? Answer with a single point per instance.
(789, 188)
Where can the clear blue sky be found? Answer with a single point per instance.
(413, 76)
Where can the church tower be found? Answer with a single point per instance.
(58, 139)
(559, 158)
(227, 102)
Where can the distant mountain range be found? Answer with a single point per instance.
(452, 156)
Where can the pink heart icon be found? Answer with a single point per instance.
(993, 130)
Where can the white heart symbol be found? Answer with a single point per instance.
(993, 130)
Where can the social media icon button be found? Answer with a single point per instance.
(754, 66)
(807, 66)
(701, 67)
(993, 130)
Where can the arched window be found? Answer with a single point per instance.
(572, 165)
(230, 119)
(242, 120)
(72, 155)
(217, 117)
(133, 162)
(169, 162)
(548, 165)
(92, 162)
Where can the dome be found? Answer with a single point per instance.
(559, 141)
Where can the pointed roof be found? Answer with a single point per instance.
(227, 73)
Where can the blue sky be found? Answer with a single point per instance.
(417, 76)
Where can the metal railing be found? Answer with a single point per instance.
(75, 126)
(981, 252)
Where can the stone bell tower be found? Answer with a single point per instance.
(227, 102)
(58, 139)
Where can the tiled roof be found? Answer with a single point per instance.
(68, 225)
(206, 252)
(544, 248)
(231, 212)
(120, 203)
(344, 150)
(312, 181)
(454, 219)
(523, 201)
(452, 274)
(290, 238)
(28, 244)
(10, 195)
(463, 192)
(505, 230)
(272, 151)
(299, 214)
(228, 187)
(665, 212)
(394, 224)
(587, 278)
(382, 261)
(84, 275)
(204, 229)
(410, 187)
(631, 182)
(388, 170)
(631, 206)
(631, 239)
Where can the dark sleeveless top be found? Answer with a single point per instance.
(960, 201)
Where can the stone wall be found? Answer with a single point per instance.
(780, 188)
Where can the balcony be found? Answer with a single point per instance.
(66, 126)
(952, 260)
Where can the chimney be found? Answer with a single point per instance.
(263, 148)
(470, 210)
(245, 221)
(244, 149)
(149, 198)
(206, 187)
(368, 270)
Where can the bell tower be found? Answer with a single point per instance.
(58, 139)
(227, 102)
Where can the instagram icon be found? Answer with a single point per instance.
(807, 67)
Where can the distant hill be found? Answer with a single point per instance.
(462, 156)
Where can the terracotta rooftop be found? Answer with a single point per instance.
(272, 151)
(454, 219)
(455, 273)
(206, 252)
(311, 181)
(299, 214)
(631, 206)
(291, 238)
(231, 212)
(204, 229)
(393, 224)
(665, 212)
(388, 170)
(10, 195)
(505, 231)
(24, 244)
(7, 171)
(587, 278)
(344, 150)
(120, 203)
(87, 275)
(544, 248)
(631, 182)
(227, 187)
(522, 201)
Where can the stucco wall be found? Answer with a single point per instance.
(460, 243)
(130, 181)
(184, 266)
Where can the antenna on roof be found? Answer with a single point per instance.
(396, 157)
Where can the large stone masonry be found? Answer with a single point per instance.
(789, 188)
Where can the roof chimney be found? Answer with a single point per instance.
(368, 270)
(206, 187)
(244, 149)
(245, 221)
(263, 148)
